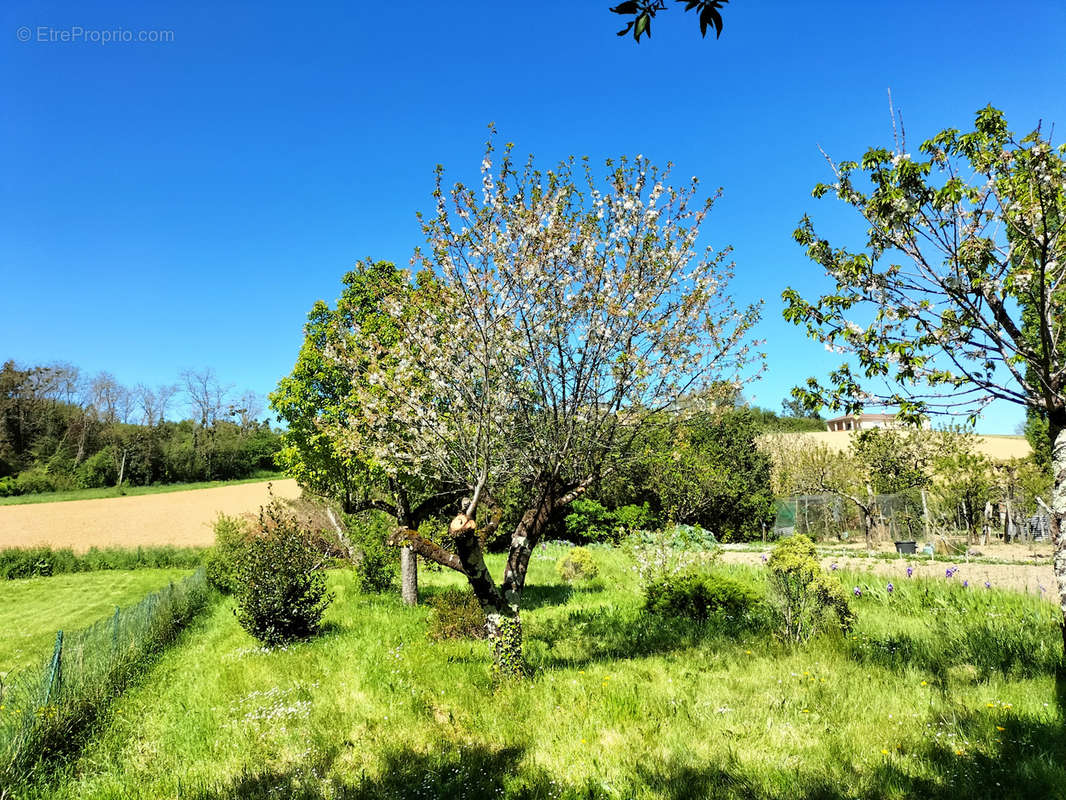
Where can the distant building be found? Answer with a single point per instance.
(858, 422)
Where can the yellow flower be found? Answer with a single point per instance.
(925, 683)
(884, 752)
(1000, 728)
(806, 711)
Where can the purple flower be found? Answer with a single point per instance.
(910, 571)
(950, 572)
(858, 592)
(890, 587)
(965, 584)
(764, 557)
(1042, 588)
(833, 566)
(988, 585)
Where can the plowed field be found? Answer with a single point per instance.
(178, 518)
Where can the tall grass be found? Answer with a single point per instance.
(45, 711)
(619, 704)
(38, 562)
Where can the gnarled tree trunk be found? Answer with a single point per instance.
(1057, 430)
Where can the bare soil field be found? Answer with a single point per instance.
(177, 518)
(1028, 577)
(998, 448)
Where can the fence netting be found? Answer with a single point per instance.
(43, 708)
(902, 517)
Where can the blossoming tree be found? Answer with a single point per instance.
(958, 297)
(556, 317)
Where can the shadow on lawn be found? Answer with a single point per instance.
(477, 772)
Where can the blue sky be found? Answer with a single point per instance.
(182, 204)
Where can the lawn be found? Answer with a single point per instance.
(131, 491)
(33, 609)
(940, 692)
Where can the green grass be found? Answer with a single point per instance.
(130, 491)
(32, 610)
(618, 705)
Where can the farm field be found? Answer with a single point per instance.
(937, 693)
(33, 609)
(128, 491)
(996, 447)
(177, 518)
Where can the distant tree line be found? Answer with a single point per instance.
(62, 429)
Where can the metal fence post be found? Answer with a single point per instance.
(55, 679)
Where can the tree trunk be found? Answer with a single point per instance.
(408, 557)
(1057, 430)
(409, 576)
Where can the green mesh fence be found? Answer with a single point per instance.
(43, 709)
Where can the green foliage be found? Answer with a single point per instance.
(316, 398)
(699, 596)
(893, 460)
(456, 615)
(221, 564)
(709, 472)
(281, 583)
(589, 521)
(37, 562)
(376, 563)
(807, 599)
(508, 662)
(643, 11)
(577, 564)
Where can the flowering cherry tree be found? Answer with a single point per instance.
(556, 316)
(958, 296)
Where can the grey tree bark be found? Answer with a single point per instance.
(1058, 516)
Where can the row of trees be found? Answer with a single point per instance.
(61, 429)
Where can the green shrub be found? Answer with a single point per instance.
(590, 521)
(456, 615)
(281, 592)
(699, 596)
(35, 481)
(231, 538)
(577, 565)
(376, 564)
(807, 600)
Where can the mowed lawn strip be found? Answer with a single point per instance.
(33, 609)
(619, 705)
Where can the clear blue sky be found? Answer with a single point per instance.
(182, 204)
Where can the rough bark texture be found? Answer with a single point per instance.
(409, 576)
(1058, 515)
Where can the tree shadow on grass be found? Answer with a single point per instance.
(591, 635)
(477, 772)
(464, 772)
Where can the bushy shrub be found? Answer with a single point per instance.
(577, 565)
(35, 481)
(456, 615)
(698, 596)
(281, 592)
(231, 538)
(376, 563)
(807, 599)
(590, 521)
(97, 470)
